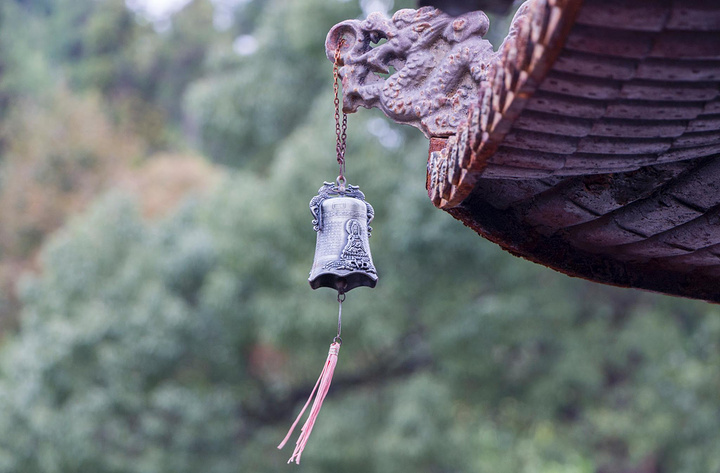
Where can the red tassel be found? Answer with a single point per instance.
(321, 386)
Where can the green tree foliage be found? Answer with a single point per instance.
(189, 343)
(101, 45)
(60, 152)
(23, 67)
(88, 91)
(271, 89)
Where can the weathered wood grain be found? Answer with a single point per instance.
(595, 147)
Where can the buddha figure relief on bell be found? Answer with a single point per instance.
(342, 253)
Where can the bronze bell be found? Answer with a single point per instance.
(342, 253)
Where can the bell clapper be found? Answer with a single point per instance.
(340, 299)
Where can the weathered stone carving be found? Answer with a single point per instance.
(425, 74)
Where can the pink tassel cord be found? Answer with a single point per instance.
(321, 386)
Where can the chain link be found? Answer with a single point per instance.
(340, 125)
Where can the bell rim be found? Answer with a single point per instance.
(351, 279)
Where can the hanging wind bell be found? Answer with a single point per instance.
(341, 218)
(342, 254)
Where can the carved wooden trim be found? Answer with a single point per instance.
(536, 37)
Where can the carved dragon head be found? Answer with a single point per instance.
(420, 67)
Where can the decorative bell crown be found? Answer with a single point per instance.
(342, 254)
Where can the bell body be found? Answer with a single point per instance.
(342, 252)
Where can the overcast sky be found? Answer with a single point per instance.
(158, 9)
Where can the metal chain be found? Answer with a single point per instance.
(340, 126)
